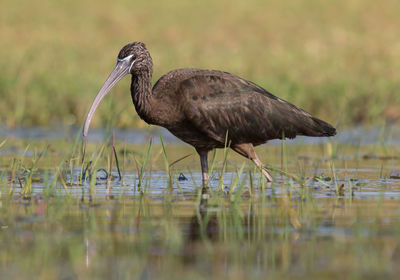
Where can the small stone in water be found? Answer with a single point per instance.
(182, 177)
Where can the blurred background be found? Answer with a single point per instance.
(337, 59)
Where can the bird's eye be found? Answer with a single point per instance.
(130, 57)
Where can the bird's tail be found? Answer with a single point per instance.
(317, 127)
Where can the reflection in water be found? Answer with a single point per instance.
(148, 237)
(203, 224)
(203, 228)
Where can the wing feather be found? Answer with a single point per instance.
(217, 103)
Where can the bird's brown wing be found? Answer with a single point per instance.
(218, 103)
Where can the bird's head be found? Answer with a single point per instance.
(136, 58)
(132, 59)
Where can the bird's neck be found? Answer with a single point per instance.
(141, 94)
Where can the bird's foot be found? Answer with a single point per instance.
(267, 175)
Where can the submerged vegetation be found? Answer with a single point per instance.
(338, 60)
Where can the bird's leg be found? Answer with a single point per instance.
(204, 167)
(265, 172)
(204, 173)
(247, 150)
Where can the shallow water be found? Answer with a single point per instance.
(355, 136)
(332, 216)
(358, 183)
(362, 171)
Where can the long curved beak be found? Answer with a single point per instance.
(121, 69)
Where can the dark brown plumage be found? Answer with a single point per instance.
(202, 107)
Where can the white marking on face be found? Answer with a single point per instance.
(126, 59)
(133, 62)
